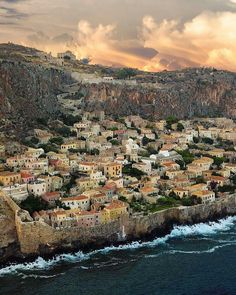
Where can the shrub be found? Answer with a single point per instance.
(218, 161)
(207, 140)
(32, 204)
(180, 127)
(187, 156)
(57, 140)
(125, 73)
(42, 121)
(114, 142)
(195, 139)
(34, 140)
(170, 120)
(134, 172)
(64, 131)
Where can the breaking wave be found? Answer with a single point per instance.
(201, 229)
(173, 252)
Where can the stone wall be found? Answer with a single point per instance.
(14, 207)
(39, 238)
(8, 234)
(162, 222)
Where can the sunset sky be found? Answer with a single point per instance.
(147, 34)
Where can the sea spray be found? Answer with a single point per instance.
(201, 229)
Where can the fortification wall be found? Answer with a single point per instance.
(37, 237)
(14, 207)
(162, 222)
(40, 238)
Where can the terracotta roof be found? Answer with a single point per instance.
(26, 175)
(78, 198)
(203, 193)
(116, 205)
(180, 189)
(215, 177)
(8, 173)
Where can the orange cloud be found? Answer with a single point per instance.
(207, 40)
(99, 44)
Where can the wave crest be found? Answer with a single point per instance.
(201, 229)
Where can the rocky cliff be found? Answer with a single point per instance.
(186, 94)
(29, 86)
(27, 92)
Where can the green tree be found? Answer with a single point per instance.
(218, 161)
(233, 178)
(145, 140)
(114, 142)
(180, 127)
(123, 199)
(57, 140)
(207, 140)
(181, 164)
(42, 121)
(49, 148)
(195, 139)
(170, 121)
(187, 156)
(34, 140)
(226, 188)
(94, 152)
(174, 195)
(166, 201)
(199, 179)
(64, 131)
(32, 204)
(70, 119)
(134, 172)
(126, 73)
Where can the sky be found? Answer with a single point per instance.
(151, 35)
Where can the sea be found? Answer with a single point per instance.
(191, 260)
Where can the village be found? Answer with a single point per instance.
(102, 169)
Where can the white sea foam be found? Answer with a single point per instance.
(173, 252)
(201, 229)
(42, 264)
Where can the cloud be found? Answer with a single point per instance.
(46, 43)
(13, 1)
(165, 45)
(154, 36)
(10, 16)
(206, 40)
(38, 37)
(63, 38)
(100, 44)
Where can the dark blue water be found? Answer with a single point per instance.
(194, 260)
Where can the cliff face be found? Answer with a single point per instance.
(29, 88)
(28, 91)
(186, 94)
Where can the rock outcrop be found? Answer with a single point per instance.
(29, 88)
(185, 94)
(27, 92)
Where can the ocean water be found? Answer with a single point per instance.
(199, 259)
